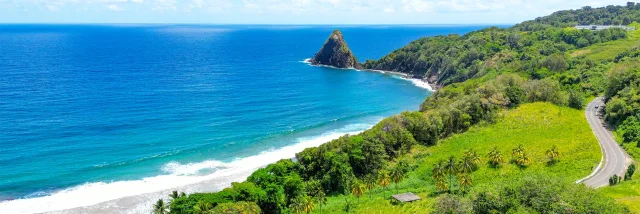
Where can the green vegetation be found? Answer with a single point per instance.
(623, 103)
(609, 15)
(536, 48)
(627, 193)
(506, 133)
(538, 126)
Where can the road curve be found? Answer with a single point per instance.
(614, 158)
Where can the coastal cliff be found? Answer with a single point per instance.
(336, 53)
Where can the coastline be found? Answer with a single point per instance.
(118, 197)
(422, 83)
(127, 197)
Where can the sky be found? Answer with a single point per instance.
(286, 11)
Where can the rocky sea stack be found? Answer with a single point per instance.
(335, 52)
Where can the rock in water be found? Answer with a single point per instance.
(336, 53)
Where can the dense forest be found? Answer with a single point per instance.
(482, 74)
(536, 47)
(609, 15)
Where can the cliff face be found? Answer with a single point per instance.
(336, 53)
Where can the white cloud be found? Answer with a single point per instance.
(310, 11)
(114, 7)
(419, 6)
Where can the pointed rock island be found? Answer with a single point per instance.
(336, 53)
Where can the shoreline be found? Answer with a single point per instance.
(129, 196)
(422, 83)
(113, 198)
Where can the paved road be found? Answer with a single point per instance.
(614, 158)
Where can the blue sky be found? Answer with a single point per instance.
(286, 11)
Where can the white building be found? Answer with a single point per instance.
(602, 27)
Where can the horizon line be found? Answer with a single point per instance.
(240, 24)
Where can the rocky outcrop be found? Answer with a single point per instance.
(336, 53)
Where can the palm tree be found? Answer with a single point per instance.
(308, 204)
(475, 158)
(441, 184)
(452, 169)
(438, 171)
(495, 157)
(466, 165)
(396, 176)
(553, 154)
(296, 206)
(370, 184)
(321, 199)
(174, 195)
(518, 151)
(465, 180)
(357, 189)
(202, 207)
(160, 207)
(383, 180)
(523, 160)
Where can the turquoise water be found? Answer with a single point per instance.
(97, 104)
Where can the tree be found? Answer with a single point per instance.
(397, 174)
(441, 184)
(515, 94)
(523, 160)
(495, 157)
(576, 100)
(237, 207)
(383, 180)
(466, 165)
(615, 179)
(465, 181)
(517, 151)
(452, 169)
(629, 174)
(308, 204)
(160, 207)
(297, 206)
(553, 154)
(357, 189)
(473, 157)
(293, 186)
(439, 170)
(630, 129)
(321, 199)
(520, 156)
(175, 195)
(370, 184)
(438, 173)
(556, 62)
(202, 207)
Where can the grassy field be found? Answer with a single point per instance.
(627, 193)
(537, 126)
(609, 50)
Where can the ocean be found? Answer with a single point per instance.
(94, 113)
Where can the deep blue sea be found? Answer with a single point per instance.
(131, 109)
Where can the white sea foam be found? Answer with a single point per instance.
(102, 197)
(416, 82)
(420, 83)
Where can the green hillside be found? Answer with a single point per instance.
(520, 90)
(537, 126)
